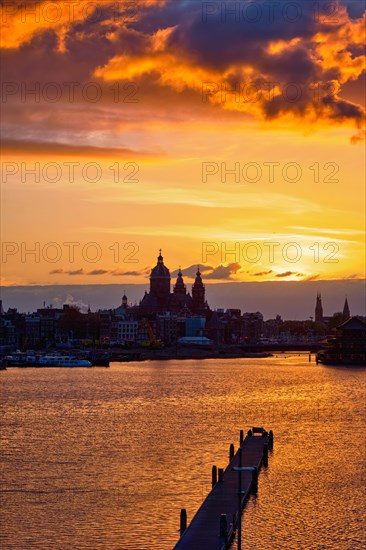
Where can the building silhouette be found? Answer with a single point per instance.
(319, 309)
(161, 300)
(346, 311)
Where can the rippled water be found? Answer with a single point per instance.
(105, 458)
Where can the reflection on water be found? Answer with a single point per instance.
(105, 458)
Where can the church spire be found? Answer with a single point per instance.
(198, 293)
(346, 311)
(318, 309)
(179, 287)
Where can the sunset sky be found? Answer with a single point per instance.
(180, 125)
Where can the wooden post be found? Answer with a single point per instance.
(270, 439)
(254, 480)
(183, 521)
(223, 527)
(309, 357)
(221, 475)
(231, 452)
(214, 476)
(265, 455)
(241, 437)
(239, 498)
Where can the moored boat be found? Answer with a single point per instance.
(38, 360)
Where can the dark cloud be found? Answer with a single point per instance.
(98, 272)
(63, 149)
(355, 8)
(219, 41)
(76, 272)
(223, 44)
(262, 273)
(223, 272)
(190, 271)
(120, 273)
(208, 272)
(286, 274)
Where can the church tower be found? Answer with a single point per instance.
(198, 293)
(180, 287)
(160, 280)
(346, 311)
(318, 309)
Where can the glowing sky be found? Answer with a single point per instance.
(181, 125)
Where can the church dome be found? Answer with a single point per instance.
(160, 271)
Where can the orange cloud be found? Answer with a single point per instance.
(22, 21)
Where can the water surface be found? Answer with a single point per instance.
(105, 458)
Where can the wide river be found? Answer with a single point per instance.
(106, 458)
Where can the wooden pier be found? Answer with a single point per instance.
(214, 525)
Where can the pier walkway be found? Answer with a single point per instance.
(214, 524)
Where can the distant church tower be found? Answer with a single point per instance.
(180, 287)
(318, 309)
(198, 293)
(346, 311)
(160, 280)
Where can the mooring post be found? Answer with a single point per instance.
(309, 357)
(254, 480)
(221, 475)
(183, 521)
(270, 439)
(223, 527)
(265, 455)
(239, 497)
(241, 437)
(231, 452)
(214, 476)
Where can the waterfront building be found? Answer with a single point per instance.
(349, 345)
(252, 326)
(195, 326)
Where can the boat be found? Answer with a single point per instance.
(37, 360)
(98, 359)
(348, 347)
